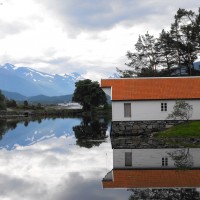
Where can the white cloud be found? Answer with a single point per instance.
(91, 37)
(56, 167)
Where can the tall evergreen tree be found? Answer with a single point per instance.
(184, 38)
(144, 60)
(197, 29)
(164, 48)
(177, 47)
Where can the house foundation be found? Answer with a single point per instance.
(140, 128)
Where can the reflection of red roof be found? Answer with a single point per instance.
(153, 88)
(153, 179)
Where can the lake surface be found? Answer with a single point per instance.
(42, 160)
(72, 159)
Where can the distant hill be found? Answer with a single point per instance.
(39, 98)
(14, 95)
(50, 100)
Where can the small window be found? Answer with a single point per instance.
(127, 110)
(164, 161)
(163, 106)
(128, 159)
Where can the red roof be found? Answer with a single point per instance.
(153, 179)
(153, 88)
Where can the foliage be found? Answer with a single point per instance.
(89, 94)
(181, 110)
(91, 132)
(182, 158)
(26, 104)
(2, 101)
(177, 47)
(11, 103)
(145, 58)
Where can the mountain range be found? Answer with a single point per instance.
(38, 98)
(29, 82)
(24, 83)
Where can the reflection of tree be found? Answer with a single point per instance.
(3, 128)
(11, 124)
(182, 158)
(91, 132)
(165, 194)
(6, 125)
(26, 123)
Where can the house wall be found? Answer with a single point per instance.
(151, 158)
(108, 91)
(149, 110)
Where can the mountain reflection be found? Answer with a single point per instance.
(28, 132)
(91, 132)
(88, 132)
(154, 173)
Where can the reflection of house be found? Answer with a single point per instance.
(154, 168)
(138, 99)
(152, 179)
(155, 158)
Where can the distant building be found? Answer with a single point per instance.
(71, 105)
(183, 70)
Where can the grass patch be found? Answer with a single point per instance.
(189, 129)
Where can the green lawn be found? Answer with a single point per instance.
(189, 129)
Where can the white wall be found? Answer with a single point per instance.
(149, 110)
(150, 158)
(108, 91)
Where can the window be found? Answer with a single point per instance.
(164, 161)
(127, 110)
(163, 106)
(128, 159)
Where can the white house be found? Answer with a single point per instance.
(154, 168)
(136, 99)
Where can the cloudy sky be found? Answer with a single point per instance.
(87, 36)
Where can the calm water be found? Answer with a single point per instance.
(72, 159)
(45, 160)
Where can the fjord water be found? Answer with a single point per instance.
(46, 160)
(72, 159)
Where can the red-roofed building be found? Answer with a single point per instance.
(138, 99)
(152, 178)
(154, 168)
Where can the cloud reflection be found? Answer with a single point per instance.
(56, 169)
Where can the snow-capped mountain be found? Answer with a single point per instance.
(115, 75)
(30, 82)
